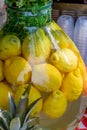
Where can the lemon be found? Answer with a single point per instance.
(81, 66)
(33, 95)
(1, 71)
(17, 70)
(73, 85)
(36, 47)
(5, 89)
(64, 59)
(85, 86)
(9, 46)
(61, 39)
(46, 77)
(55, 104)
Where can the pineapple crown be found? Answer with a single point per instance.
(18, 116)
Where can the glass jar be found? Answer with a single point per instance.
(35, 50)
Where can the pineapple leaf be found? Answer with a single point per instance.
(2, 124)
(1, 128)
(22, 108)
(30, 128)
(15, 124)
(30, 108)
(30, 122)
(34, 128)
(12, 105)
(23, 104)
(27, 90)
(37, 127)
(24, 127)
(6, 117)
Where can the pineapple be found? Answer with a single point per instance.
(18, 116)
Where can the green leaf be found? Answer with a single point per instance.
(37, 127)
(12, 106)
(24, 128)
(22, 107)
(30, 128)
(27, 90)
(2, 124)
(31, 122)
(15, 124)
(34, 127)
(20, 3)
(30, 108)
(6, 117)
(1, 128)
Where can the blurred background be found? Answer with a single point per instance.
(70, 1)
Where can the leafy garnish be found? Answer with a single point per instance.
(27, 4)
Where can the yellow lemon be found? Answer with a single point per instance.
(55, 104)
(64, 59)
(9, 46)
(5, 89)
(33, 95)
(82, 67)
(61, 39)
(17, 70)
(36, 47)
(1, 71)
(85, 86)
(73, 85)
(46, 77)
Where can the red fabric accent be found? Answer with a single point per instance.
(84, 121)
(80, 129)
(76, 128)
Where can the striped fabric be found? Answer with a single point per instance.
(82, 125)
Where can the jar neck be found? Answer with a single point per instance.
(30, 18)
